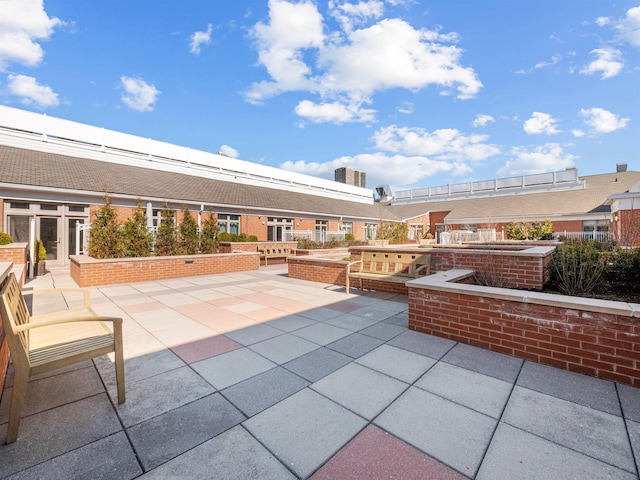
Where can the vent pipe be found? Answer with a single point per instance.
(621, 167)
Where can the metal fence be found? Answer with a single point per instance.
(591, 235)
(320, 236)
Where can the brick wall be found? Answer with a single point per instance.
(87, 271)
(15, 253)
(318, 270)
(601, 339)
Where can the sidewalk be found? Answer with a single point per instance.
(255, 375)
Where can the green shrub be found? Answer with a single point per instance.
(253, 238)
(188, 234)
(166, 239)
(105, 237)
(625, 268)
(530, 230)
(138, 241)
(348, 237)
(39, 251)
(209, 235)
(5, 238)
(577, 267)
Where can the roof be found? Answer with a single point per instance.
(50, 170)
(577, 202)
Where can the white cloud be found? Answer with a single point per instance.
(541, 123)
(482, 119)
(577, 133)
(406, 108)
(629, 27)
(602, 21)
(23, 24)
(350, 65)
(31, 92)
(381, 168)
(608, 62)
(334, 112)
(544, 158)
(351, 14)
(139, 95)
(200, 38)
(603, 121)
(442, 144)
(542, 64)
(229, 151)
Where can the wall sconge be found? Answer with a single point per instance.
(297, 224)
(263, 222)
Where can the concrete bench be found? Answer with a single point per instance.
(274, 251)
(388, 267)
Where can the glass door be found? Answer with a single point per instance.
(49, 233)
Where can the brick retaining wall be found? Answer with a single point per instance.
(87, 271)
(594, 337)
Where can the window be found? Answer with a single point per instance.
(76, 208)
(229, 223)
(595, 226)
(275, 227)
(347, 227)
(472, 227)
(49, 207)
(20, 205)
(370, 230)
(19, 227)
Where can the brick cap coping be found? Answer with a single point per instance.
(5, 268)
(15, 245)
(524, 251)
(443, 281)
(319, 259)
(85, 259)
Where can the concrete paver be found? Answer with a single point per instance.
(256, 375)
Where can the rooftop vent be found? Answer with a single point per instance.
(621, 167)
(383, 194)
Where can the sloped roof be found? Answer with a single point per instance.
(50, 170)
(590, 199)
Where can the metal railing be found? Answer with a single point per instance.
(591, 235)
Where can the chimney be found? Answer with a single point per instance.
(621, 167)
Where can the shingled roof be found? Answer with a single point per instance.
(49, 170)
(551, 204)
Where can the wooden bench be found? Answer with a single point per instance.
(274, 251)
(388, 267)
(47, 342)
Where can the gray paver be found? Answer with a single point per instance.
(400, 320)
(53, 391)
(480, 392)
(105, 459)
(350, 322)
(322, 333)
(317, 364)
(518, 455)
(634, 438)
(284, 348)
(289, 323)
(383, 330)
(155, 395)
(494, 364)
(48, 434)
(260, 392)
(449, 432)
(253, 334)
(434, 347)
(396, 362)
(233, 455)
(305, 430)
(355, 345)
(166, 436)
(360, 389)
(588, 391)
(630, 400)
(592, 432)
(319, 314)
(376, 312)
(232, 367)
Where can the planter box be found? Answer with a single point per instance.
(87, 271)
(594, 337)
(40, 269)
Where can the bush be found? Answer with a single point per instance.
(166, 240)
(39, 251)
(188, 234)
(209, 235)
(530, 230)
(349, 237)
(106, 237)
(625, 268)
(5, 238)
(138, 241)
(577, 267)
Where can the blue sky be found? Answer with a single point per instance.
(414, 93)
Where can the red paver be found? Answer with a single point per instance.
(205, 348)
(375, 454)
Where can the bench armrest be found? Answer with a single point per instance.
(357, 262)
(85, 293)
(60, 321)
(419, 269)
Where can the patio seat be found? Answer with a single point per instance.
(47, 342)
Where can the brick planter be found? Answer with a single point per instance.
(595, 337)
(87, 271)
(318, 269)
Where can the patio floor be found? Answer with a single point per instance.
(256, 375)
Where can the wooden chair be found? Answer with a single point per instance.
(47, 342)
